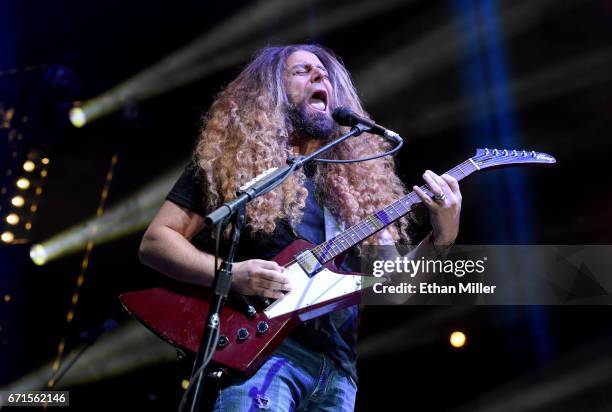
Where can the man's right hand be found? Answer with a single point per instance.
(260, 277)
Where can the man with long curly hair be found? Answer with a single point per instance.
(280, 105)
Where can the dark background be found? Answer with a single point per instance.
(449, 76)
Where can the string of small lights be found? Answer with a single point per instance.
(22, 181)
(57, 363)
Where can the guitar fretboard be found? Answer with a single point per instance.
(328, 250)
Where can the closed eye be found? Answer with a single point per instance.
(308, 68)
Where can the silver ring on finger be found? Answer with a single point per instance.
(439, 197)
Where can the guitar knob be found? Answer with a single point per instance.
(242, 334)
(262, 327)
(223, 342)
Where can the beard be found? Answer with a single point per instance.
(310, 123)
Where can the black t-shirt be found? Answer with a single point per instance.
(334, 334)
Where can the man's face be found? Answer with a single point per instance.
(310, 92)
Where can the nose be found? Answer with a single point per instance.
(317, 75)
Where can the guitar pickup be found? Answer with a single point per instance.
(309, 263)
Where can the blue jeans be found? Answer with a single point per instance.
(294, 378)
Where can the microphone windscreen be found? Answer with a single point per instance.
(344, 116)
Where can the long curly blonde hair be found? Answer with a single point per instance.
(247, 131)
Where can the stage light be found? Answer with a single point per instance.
(17, 201)
(457, 339)
(129, 216)
(78, 118)
(185, 384)
(43, 173)
(12, 219)
(23, 183)
(210, 52)
(28, 226)
(185, 65)
(45, 160)
(28, 165)
(34, 208)
(38, 254)
(7, 237)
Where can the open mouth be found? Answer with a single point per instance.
(318, 100)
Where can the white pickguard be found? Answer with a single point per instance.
(307, 291)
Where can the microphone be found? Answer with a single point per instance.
(346, 117)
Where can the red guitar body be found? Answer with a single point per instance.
(177, 315)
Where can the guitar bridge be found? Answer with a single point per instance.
(309, 263)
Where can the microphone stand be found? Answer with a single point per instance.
(90, 337)
(236, 211)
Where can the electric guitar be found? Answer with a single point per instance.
(252, 328)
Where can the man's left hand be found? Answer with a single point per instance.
(444, 207)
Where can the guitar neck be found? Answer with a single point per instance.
(328, 250)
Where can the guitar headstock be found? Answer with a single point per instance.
(486, 158)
